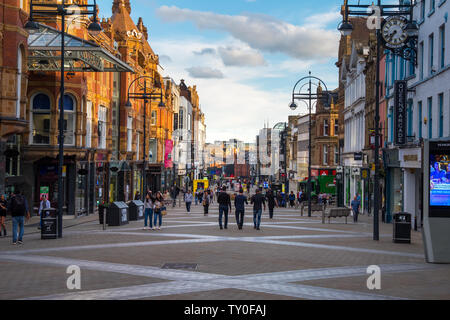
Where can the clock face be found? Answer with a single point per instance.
(393, 32)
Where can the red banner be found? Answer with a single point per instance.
(168, 163)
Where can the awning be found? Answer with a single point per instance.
(80, 55)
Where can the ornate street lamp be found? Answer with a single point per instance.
(146, 94)
(62, 10)
(309, 96)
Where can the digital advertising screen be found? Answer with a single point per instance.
(440, 180)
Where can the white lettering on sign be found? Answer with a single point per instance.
(74, 281)
(374, 281)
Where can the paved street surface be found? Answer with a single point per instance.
(291, 257)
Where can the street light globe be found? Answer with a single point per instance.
(32, 27)
(95, 28)
(412, 30)
(293, 106)
(345, 28)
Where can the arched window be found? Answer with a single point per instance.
(69, 119)
(40, 119)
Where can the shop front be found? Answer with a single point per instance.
(411, 164)
(394, 184)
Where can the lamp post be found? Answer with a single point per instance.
(308, 95)
(407, 50)
(62, 10)
(146, 96)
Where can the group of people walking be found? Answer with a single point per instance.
(154, 209)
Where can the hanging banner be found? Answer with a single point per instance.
(168, 163)
(400, 89)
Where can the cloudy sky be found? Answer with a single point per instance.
(245, 56)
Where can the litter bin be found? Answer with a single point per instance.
(136, 210)
(49, 228)
(402, 227)
(117, 214)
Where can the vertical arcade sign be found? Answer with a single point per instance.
(400, 120)
(436, 200)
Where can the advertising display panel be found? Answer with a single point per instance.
(436, 200)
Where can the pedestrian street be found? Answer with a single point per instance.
(291, 257)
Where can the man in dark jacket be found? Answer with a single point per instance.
(239, 204)
(18, 206)
(271, 202)
(224, 202)
(258, 202)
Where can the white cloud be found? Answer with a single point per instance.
(236, 105)
(205, 73)
(262, 32)
(205, 51)
(235, 56)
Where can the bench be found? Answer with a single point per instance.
(336, 213)
(314, 207)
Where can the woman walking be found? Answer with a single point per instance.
(206, 202)
(3, 206)
(159, 204)
(188, 198)
(148, 213)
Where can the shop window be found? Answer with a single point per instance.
(40, 119)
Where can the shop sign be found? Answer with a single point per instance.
(400, 91)
(365, 173)
(358, 156)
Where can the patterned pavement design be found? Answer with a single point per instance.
(182, 229)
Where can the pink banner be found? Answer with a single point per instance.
(168, 163)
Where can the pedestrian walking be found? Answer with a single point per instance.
(211, 196)
(148, 211)
(188, 198)
(3, 209)
(45, 204)
(173, 195)
(355, 207)
(239, 205)
(159, 206)
(271, 202)
(206, 201)
(292, 199)
(258, 202)
(18, 206)
(224, 202)
(137, 196)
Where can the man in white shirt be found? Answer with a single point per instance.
(45, 204)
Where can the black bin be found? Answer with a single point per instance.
(402, 227)
(136, 210)
(49, 228)
(117, 214)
